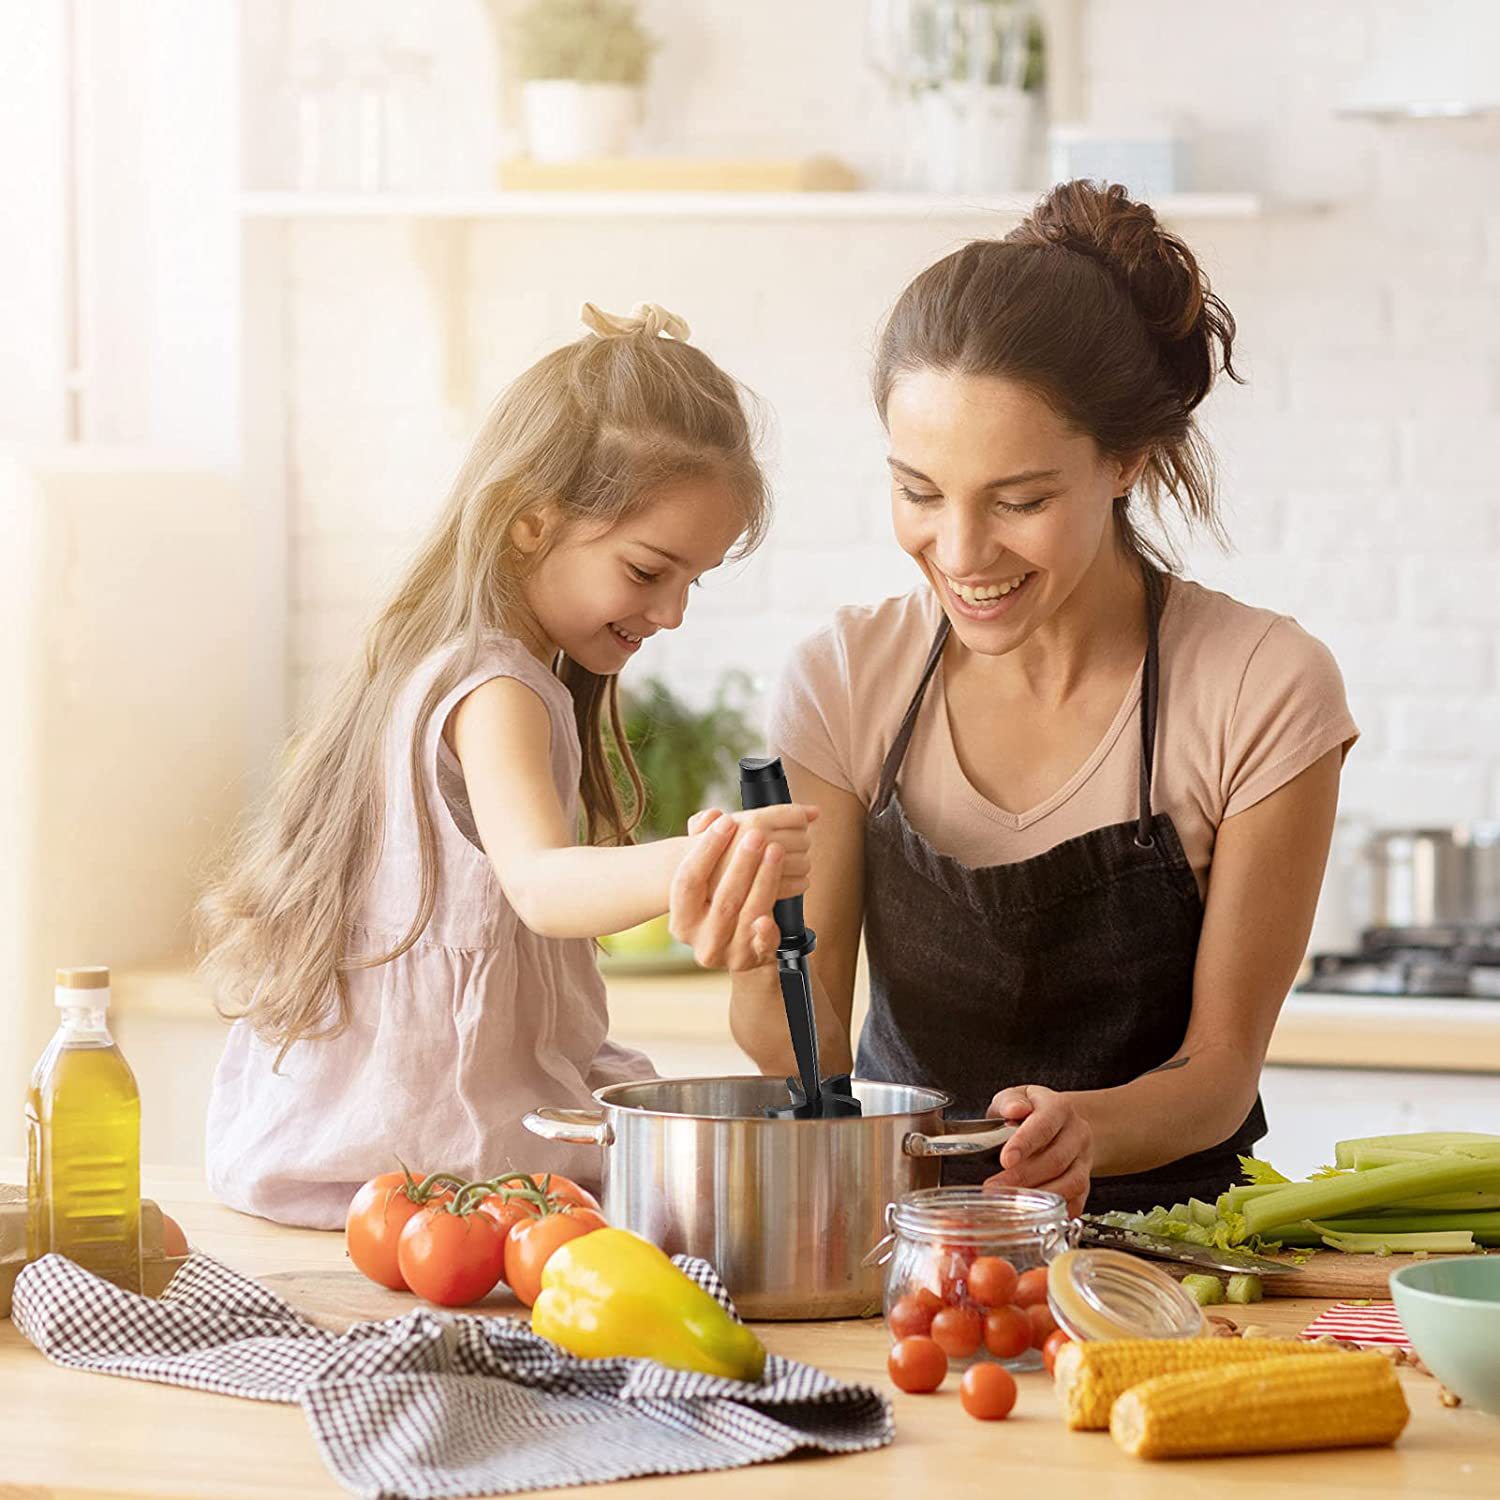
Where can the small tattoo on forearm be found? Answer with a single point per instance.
(1166, 1067)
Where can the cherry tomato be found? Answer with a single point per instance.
(992, 1281)
(531, 1242)
(952, 1273)
(1053, 1342)
(451, 1259)
(378, 1213)
(912, 1314)
(1042, 1323)
(957, 1331)
(173, 1240)
(987, 1391)
(1031, 1287)
(1007, 1332)
(917, 1365)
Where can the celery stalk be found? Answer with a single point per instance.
(1441, 1203)
(1485, 1228)
(1455, 1242)
(1419, 1140)
(1331, 1197)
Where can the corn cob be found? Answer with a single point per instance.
(1089, 1376)
(1327, 1401)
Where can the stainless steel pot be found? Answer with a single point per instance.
(1436, 877)
(784, 1209)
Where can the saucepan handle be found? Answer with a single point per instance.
(573, 1127)
(963, 1138)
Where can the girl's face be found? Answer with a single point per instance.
(1002, 504)
(598, 591)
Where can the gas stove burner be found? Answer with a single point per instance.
(1477, 937)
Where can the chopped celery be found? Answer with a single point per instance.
(1420, 1140)
(1206, 1291)
(1244, 1289)
(1331, 1197)
(1204, 1214)
(1452, 1243)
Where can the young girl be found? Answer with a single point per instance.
(406, 935)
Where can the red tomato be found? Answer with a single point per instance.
(507, 1213)
(379, 1212)
(957, 1331)
(987, 1391)
(992, 1281)
(1007, 1332)
(1042, 1323)
(564, 1190)
(912, 1314)
(1031, 1287)
(917, 1365)
(1053, 1342)
(451, 1259)
(532, 1241)
(173, 1240)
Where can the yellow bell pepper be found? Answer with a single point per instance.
(611, 1293)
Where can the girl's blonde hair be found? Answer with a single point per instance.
(591, 431)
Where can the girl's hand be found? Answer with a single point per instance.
(1053, 1149)
(724, 888)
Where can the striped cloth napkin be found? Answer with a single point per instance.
(1370, 1323)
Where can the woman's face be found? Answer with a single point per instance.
(1002, 504)
(598, 591)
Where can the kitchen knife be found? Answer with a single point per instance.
(1184, 1252)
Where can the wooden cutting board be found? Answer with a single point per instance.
(1330, 1273)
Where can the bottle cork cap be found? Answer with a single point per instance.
(90, 977)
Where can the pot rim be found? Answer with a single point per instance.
(940, 1102)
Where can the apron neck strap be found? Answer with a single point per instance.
(1150, 676)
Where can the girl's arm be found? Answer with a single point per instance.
(834, 909)
(1263, 891)
(501, 734)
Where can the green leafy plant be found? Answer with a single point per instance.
(589, 41)
(941, 40)
(686, 756)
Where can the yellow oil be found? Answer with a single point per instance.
(83, 1153)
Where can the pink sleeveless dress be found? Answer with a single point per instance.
(451, 1043)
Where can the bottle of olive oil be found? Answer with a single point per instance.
(83, 1140)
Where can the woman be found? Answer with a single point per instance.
(1079, 808)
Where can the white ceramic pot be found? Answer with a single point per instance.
(571, 121)
(977, 140)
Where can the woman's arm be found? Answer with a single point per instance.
(501, 734)
(834, 909)
(1263, 891)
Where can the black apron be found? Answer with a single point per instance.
(1073, 969)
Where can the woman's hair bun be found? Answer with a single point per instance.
(1152, 266)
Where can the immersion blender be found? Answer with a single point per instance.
(763, 784)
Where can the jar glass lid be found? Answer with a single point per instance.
(1105, 1294)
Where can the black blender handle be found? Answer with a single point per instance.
(763, 784)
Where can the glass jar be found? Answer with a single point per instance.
(938, 1234)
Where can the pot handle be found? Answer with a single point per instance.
(970, 1138)
(573, 1127)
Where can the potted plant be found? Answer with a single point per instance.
(582, 64)
(687, 757)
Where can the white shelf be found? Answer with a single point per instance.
(743, 206)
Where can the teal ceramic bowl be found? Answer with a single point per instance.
(1450, 1309)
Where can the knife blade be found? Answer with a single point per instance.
(1183, 1252)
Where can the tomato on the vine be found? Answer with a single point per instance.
(450, 1258)
(378, 1213)
(531, 1242)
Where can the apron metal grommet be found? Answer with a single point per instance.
(1146, 843)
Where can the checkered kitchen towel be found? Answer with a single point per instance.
(440, 1404)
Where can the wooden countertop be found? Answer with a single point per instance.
(76, 1436)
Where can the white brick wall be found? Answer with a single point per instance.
(1358, 465)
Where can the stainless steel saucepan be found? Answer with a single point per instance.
(1436, 877)
(785, 1209)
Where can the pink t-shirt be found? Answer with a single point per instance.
(1248, 699)
(452, 1042)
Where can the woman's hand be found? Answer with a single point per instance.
(737, 866)
(1054, 1147)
